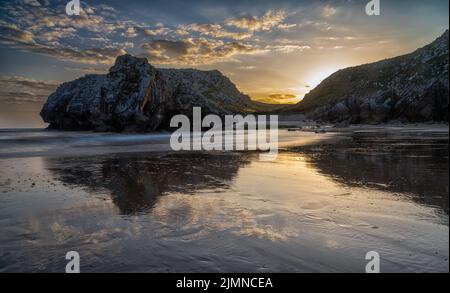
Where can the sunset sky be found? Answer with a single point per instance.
(275, 51)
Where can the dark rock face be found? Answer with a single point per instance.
(409, 88)
(215, 93)
(135, 96)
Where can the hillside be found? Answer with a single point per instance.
(413, 88)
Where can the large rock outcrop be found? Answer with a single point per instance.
(135, 96)
(409, 88)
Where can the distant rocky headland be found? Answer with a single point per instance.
(135, 96)
(409, 88)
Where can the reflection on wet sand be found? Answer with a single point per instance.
(316, 209)
(136, 181)
(416, 165)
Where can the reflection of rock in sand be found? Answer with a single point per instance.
(416, 166)
(183, 192)
(231, 212)
(136, 181)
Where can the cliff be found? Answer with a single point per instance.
(410, 88)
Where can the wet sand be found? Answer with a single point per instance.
(126, 204)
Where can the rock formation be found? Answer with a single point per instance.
(135, 96)
(409, 88)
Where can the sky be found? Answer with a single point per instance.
(274, 51)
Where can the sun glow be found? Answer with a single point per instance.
(315, 78)
(320, 75)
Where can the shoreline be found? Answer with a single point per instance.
(83, 143)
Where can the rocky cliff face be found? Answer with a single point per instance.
(135, 96)
(410, 88)
(211, 90)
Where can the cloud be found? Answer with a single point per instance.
(131, 32)
(45, 30)
(282, 96)
(167, 49)
(194, 51)
(287, 26)
(18, 90)
(321, 26)
(328, 11)
(56, 34)
(182, 31)
(40, 18)
(287, 48)
(278, 99)
(52, 33)
(271, 19)
(248, 67)
(217, 31)
(160, 31)
(10, 34)
(104, 55)
(33, 3)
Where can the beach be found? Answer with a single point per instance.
(127, 203)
